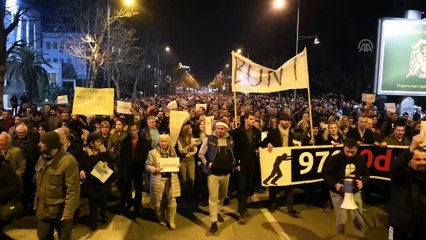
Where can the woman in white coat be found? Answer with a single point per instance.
(163, 184)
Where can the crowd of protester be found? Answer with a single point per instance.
(132, 144)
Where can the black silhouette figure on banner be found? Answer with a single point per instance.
(276, 171)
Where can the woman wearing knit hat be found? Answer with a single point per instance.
(97, 192)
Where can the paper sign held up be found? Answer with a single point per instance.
(124, 107)
(368, 97)
(390, 107)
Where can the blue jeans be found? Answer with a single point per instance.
(46, 227)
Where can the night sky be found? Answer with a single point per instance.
(202, 33)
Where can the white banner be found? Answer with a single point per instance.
(177, 119)
(248, 76)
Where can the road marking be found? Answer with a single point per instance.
(278, 229)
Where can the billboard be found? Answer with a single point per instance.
(401, 57)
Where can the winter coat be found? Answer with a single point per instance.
(58, 186)
(153, 162)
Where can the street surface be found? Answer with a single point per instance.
(193, 222)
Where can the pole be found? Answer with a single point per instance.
(158, 73)
(108, 50)
(297, 35)
(235, 110)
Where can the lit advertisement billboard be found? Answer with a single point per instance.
(401, 57)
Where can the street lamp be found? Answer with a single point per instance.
(278, 4)
(127, 3)
(167, 49)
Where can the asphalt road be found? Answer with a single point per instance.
(193, 222)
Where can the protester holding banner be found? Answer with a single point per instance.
(282, 136)
(246, 142)
(361, 133)
(397, 138)
(348, 164)
(407, 206)
(163, 183)
(217, 155)
(332, 136)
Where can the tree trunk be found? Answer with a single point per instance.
(135, 85)
(2, 77)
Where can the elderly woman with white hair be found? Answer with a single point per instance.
(12, 154)
(163, 183)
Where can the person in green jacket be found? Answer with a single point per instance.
(58, 189)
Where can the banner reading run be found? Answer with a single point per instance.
(298, 165)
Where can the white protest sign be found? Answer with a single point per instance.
(124, 107)
(368, 97)
(63, 99)
(209, 124)
(177, 119)
(390, 107)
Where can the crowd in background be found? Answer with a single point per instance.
(126, 141)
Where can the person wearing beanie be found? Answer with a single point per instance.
(97, 192)
(217, 155)
(58, 188)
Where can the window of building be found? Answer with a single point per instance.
(69, 60)
(61, 45)
(55, 60)
(48, 60)
(62, 60)
(52, 78)
(55, 45)
(48, 45)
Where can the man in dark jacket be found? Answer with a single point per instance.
(407, 206)
(282, 136)
(361, 133)
(348, 164)
(132, 163)
(247, 141)
(28, 143)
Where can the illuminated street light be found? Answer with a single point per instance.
(279, 4)
(158, 72)
(239, 50)
(316, 40)
(127, 3)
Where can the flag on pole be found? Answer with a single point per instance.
(248, 77)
